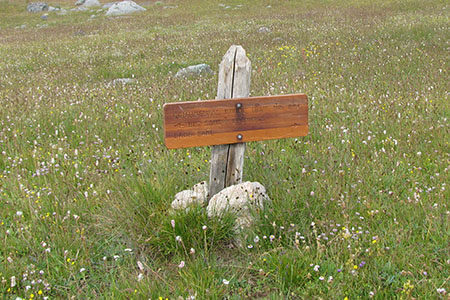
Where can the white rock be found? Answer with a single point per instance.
(201, 69)
(264, 29)
(37, 7)
(124, 8)
(80, 2)
(196, 196)
(241, 199)
(123, 81)
(91, 3)
(108, 5)
(79, 9)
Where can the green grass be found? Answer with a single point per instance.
(358, 206)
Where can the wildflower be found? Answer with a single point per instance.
(321, 278)
(172, 222)
(316, 268)
(181, 265)
(250, 246)
(441, 291)
(192, 251)
(178, 238)
(362, 264)
(19, 213)
(339, 270)
(82, 270)
(13, 281)
(140, 276)
(226, 282)
(204, 227)
(40, 292)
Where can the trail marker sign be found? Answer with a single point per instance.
(218, 122)
(232, 120)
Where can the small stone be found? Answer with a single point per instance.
(264, 29)
(123, 81)
(44, 17)
(277, 40)
(196, 70)
(79, 9)
(37, 7)
(80, 33)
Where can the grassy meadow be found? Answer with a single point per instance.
(359, 206)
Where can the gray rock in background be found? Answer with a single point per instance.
(124, 8)
(80, 2)
(108, 5)
(201, 69)
(37, 7)
(79, 9)
(264, 29)
(91, 3)
(242, 200)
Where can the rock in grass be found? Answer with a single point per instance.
(91, 3)
(196, 196)
(37, 7)
(241, 199)
(44, 17)
(79, 9)
(123, 81)
(264, 29)
(80, 2)
(201, 69)
(108, 5)
(124, 8)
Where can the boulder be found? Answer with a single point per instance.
(37, 7)
(195, 196)
(124, 8)
(241, 199)
(201, 69)
(108, 5)
(91, 3)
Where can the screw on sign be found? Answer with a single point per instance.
(232, 120)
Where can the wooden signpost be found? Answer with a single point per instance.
(228, 124)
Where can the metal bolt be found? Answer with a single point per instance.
(238, 105)
(239, 136)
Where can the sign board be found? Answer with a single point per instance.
(237, 120)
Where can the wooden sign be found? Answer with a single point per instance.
(237, 120)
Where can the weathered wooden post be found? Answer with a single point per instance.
(227, 161)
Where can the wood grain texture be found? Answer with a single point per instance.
(217, 122)
(227, 161)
